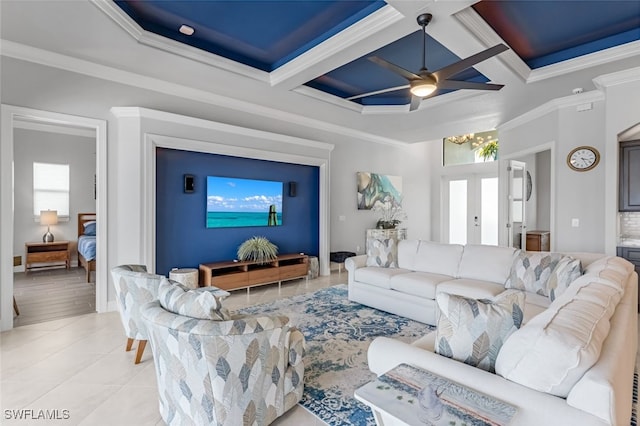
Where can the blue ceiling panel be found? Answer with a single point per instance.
(261, 34)
(547, 32)
(363, 76)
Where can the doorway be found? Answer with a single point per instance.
(12, 117)
(471, 209)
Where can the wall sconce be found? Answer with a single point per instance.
(48, 217)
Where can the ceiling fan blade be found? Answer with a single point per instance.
(392, 67)
(452, 84)
(377, 92)
(463, 64)
(415, 103)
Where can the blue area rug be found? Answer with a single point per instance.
(338, 334)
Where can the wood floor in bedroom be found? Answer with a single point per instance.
(52, 294)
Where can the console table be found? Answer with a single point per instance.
(234, 275)
(47, 253)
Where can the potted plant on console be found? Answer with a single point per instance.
(257, 249)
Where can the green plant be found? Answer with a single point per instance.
(490, 150)
(257, 249)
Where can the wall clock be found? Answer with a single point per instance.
(583, 158)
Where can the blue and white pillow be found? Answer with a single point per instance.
(200, 303)
(90, 228)
(473, 331)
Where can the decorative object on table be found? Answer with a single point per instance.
(257, 249)
(338, 333)
(188, 277)
(374, 189)
(391, 214)
(48, 218)
(583, 158)
(440, 402)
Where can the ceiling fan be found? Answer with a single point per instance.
(424, 83)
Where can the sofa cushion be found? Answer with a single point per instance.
(201, 303)
(551, 352)
(438, 258)
(566, 272)
(486, 263)
(376, 276)
(474, 289)
(382, 252)
(421, 284)
(407, 252)
(611, 268)
(473, 331)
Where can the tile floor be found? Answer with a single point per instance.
(79, 364)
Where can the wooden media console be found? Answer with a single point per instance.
(232, 275)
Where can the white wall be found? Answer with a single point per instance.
(579, 195)
(542, 189)
(408, 162)
(37, 146)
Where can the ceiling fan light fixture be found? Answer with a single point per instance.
(421, 88)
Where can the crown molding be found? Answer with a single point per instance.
(329, 98)
(81, 66)
(483, 32)
(611, 54)
(621, 77)
(350, 36)
(551, 106)
(138, 112)
(53, 128)
(163, 43)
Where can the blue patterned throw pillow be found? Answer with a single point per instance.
(473, 331)
(201, 303)
(382, 252)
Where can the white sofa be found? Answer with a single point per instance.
(595, 377)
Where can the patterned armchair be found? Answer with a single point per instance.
(134, 287)
(242, 371)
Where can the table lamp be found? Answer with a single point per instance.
(48, 217)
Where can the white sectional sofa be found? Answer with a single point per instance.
(570, 363)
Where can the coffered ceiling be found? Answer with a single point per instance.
(308, 58)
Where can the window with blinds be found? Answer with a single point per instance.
(51, 188)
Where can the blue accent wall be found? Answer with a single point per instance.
(182, 238)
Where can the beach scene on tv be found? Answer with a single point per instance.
(233, 202)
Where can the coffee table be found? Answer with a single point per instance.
(407, 395)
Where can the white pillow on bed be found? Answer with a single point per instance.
(90, 228)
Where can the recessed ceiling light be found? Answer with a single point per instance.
(187, 30)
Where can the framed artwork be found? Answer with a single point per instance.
(375, 189)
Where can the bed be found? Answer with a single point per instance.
(87, 242)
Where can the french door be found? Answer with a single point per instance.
(471, 209)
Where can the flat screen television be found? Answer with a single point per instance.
(233, 202)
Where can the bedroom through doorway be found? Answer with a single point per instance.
(54, 180)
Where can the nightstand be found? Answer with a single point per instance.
(55, 254)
